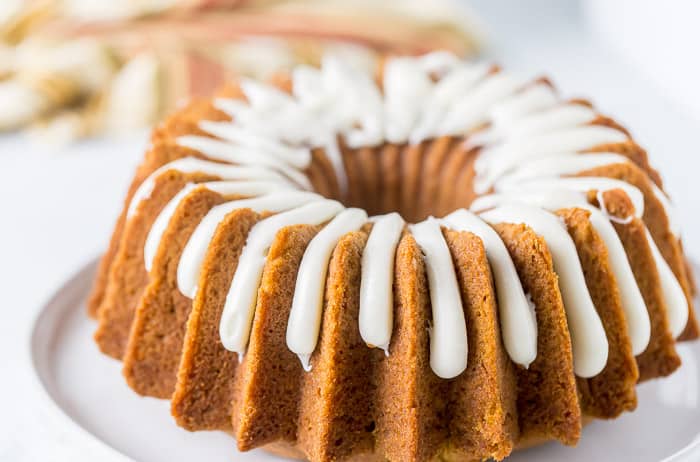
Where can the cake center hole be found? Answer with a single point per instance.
(432, 178)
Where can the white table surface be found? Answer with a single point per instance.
(58, 205)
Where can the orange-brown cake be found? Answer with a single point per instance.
(278, 272)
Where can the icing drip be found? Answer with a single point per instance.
(669, 209)
(405, 91)
(160, 225)
(195, 250)
(588, 340)
(560, 116)
(533, 98)
(636, 313)
(515, 310)
(498, 160)
(674, 296)
(239, 308)
(296, 157)
(307, 305)
(334, 100)
(582, 184)
(448, 339)
(561, 164)
(191, 165)
(471, 110)
(528, 137)
(228, 152)
(376, 286)
(243, 188)
(442, 96)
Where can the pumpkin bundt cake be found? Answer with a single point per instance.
(278, 272)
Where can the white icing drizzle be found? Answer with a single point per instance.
(530, 140)
(561, 164)
(669, 209)
(160, 224)
(674, 296)
(405, 91)
(239, 308)
(448, 339)
(582, 184)
(471, 110)
(636, 313)
(195, 250)
(307, 305)
(441, 98)
(533, 98)
(589, 343)
(572, 163)
(377, 279)
(334, 100)
(558, 117)
(505, 113)
(191, 165)
(500, 159)
(516, 311)
(228, 152)
(296, 157)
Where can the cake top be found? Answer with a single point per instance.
(527, 140)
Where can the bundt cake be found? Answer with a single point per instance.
(278, 272)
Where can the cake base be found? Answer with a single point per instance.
(288, 451)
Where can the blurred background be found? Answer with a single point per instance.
(81, 82)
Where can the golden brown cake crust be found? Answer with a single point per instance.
(265, 409)
(482, 412)
(660, 357)
(658, 223)
(548, 404)
(336, 420)
(408, 428)
(612, 391)
(127, 274)
(182, 122)
(356, 403)
(204, 389)
(155, 343)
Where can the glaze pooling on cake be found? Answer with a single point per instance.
(526, 158)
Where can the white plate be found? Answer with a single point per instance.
(88, 393)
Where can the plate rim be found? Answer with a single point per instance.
(55, 305)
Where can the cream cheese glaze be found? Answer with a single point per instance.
(376, 315)
(448, 336)
(195, 250)
(193, 165)
(588, 340)
(527, 139)
(636, 314)
(227, 188)
(239, 308)
(516, 311)
(307, 305)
